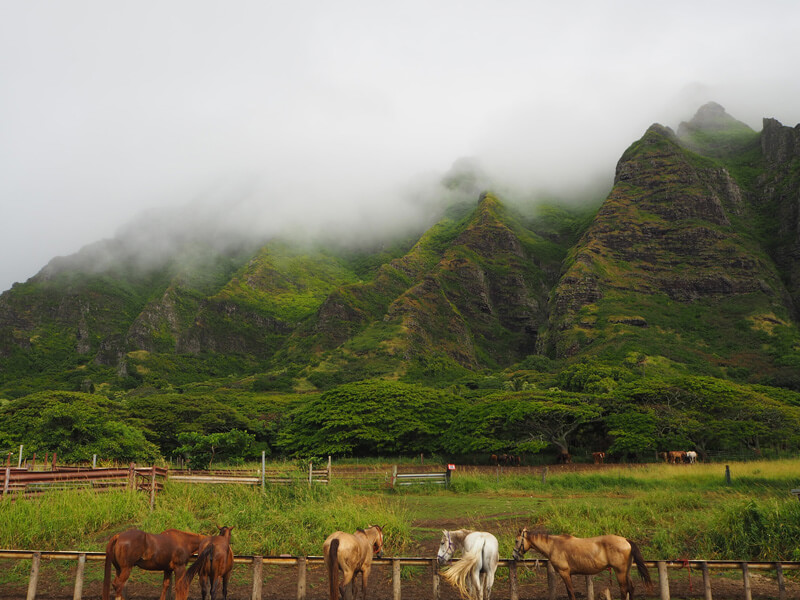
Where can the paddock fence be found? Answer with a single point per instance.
(262, 477)
(24, 482)
(301, 564)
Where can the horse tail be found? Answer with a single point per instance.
(458, 574)
(107, 576)
(182, 588)
(640, 566)
(332, 563)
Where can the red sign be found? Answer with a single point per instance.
(451, 467)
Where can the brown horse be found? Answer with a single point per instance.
(586, 556)
(599, 457)
(214, 563)
(167, 551)
(351, 554)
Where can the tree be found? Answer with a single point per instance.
(76, 426)
(523, 421)
(370, 418)
(202, 450)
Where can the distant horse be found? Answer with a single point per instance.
(691, 457)
(473, 575)
(564, 458)
(214, 563)
(675, 457)
(351, 554)
(586, 556)
(167, 551)
(599, 457)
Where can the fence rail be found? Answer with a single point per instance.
(302, 562)
(30, 483)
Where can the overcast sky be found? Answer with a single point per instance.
(288, 111)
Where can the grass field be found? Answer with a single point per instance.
(673, 512)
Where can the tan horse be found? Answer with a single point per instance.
(586, 556)
(351, 554)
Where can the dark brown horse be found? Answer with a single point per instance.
(586, 556)
(351, 554)
(167, 551)
(214, 563)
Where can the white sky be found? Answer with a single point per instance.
(324, 110)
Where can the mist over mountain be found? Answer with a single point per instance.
(685, 254)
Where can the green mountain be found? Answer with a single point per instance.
(690, 265)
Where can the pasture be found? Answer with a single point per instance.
(673, 512)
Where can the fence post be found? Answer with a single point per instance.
(746, 578)
(394, 475)
(435, 563)
(53, 468)
(706, 582)
(544, 475)
(396, 579)
(512, 580)
(19, 462)
(131, 477)
(551, 581)
(34, 580)
(781, 582)
(153, 489)
(301, 578)
(94, 461)
(76, 595)
(728, 474)
(5, 485)
(329, 469)
(310, 472)
(663, 581)
(589, 588)
(33, 464)
(258, 562)
(263, 470)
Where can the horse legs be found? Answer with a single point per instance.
(225, 585)
(565, 575)
(625, 584)
(488, 582)
(119, 581)
(364, 578)
(167, 581)
(205, 588)
(347, 587)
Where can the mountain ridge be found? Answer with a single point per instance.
(691, 259)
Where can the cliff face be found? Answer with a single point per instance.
(777, 196)
(666, 250)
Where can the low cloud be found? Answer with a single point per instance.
(344, 117)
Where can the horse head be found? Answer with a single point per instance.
(521, 544)
(446, 548)
(225, 531)
(377, 545)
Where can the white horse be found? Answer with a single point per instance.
(691, 457)
(473, 575)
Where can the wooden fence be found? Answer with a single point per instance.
(553, 581)
(248, 477)
(433, 477)
(23, 482)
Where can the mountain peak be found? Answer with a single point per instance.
(713, 132)
(710, 117)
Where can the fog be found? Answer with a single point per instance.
(343, 116)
